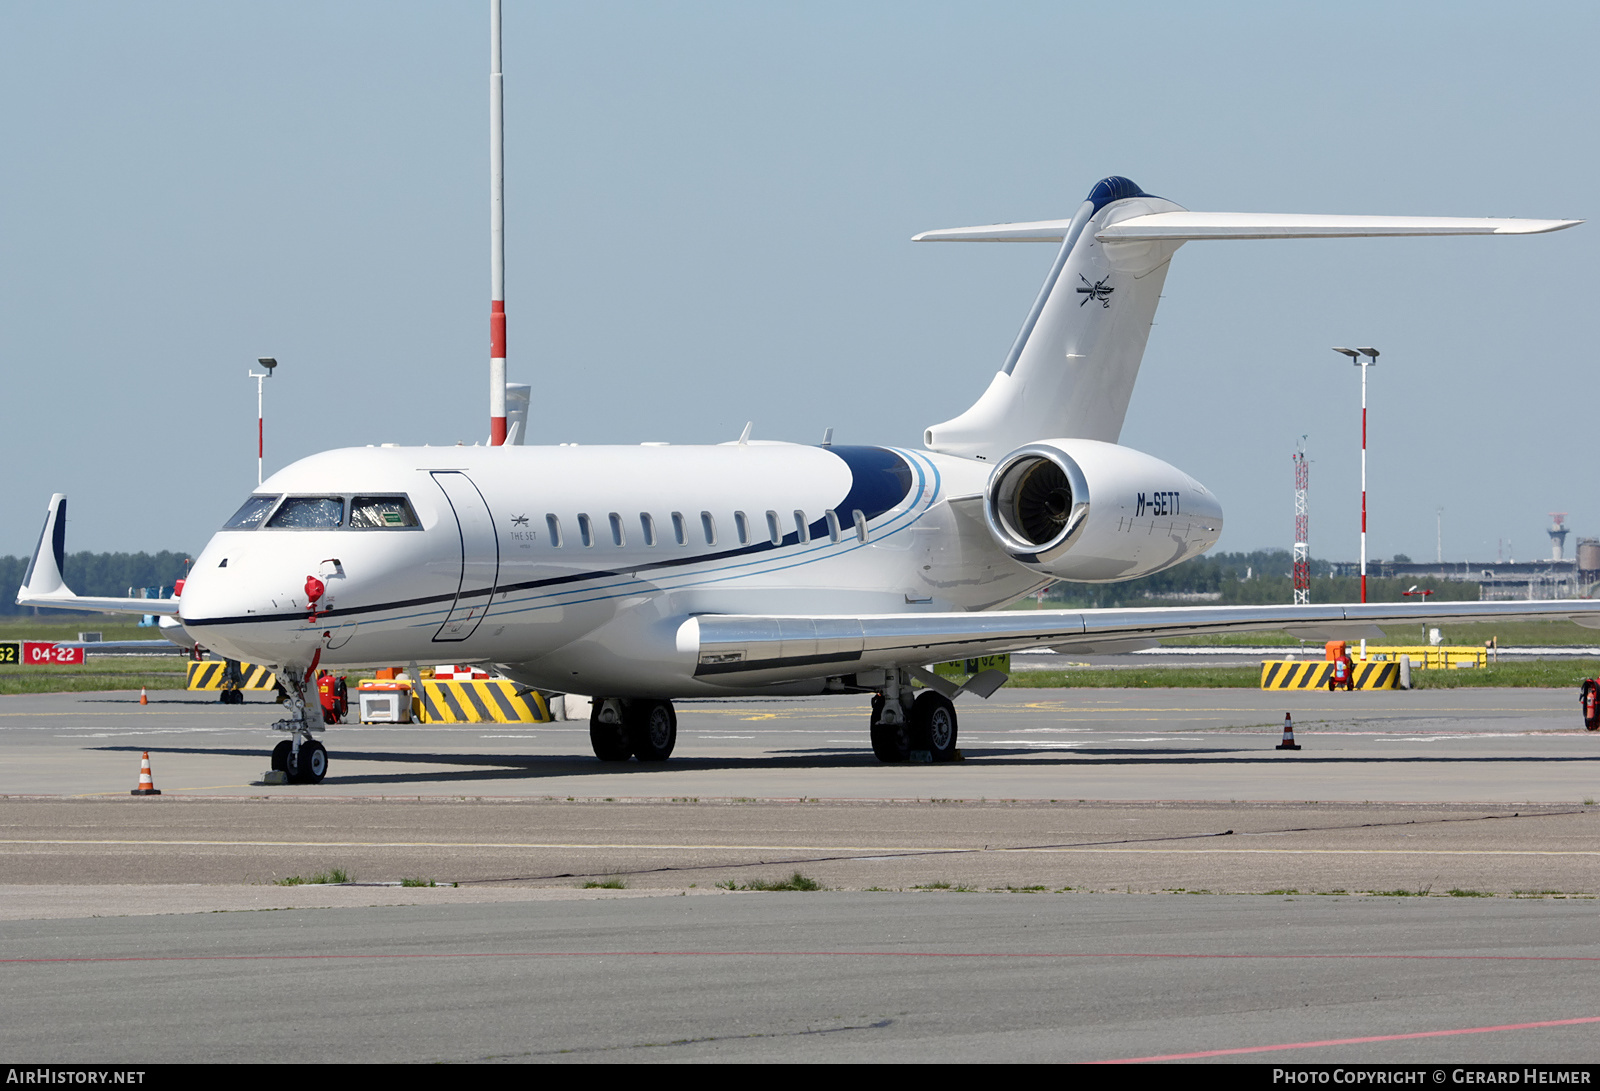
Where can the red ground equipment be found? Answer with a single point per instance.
(335, 697)
(1589, 701)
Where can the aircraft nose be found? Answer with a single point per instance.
(252, 603)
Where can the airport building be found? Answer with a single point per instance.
(1553, 577)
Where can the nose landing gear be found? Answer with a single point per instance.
(309, 766)
(300, 758)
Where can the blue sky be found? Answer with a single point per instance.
(709, 208)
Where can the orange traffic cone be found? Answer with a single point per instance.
(147, 786)
(1288, 742)
(144, 698)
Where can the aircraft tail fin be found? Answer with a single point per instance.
(1071, 371)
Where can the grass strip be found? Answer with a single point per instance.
(109, 672)
(1538, 673)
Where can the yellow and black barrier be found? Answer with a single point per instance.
(1432, 656)
(1314, 674)
(210, 674)
(481, 702)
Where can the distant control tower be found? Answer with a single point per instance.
(1558, 533)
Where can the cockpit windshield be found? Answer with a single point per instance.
(369, 512)
(324, 513)
(309, 513)
(250, 515)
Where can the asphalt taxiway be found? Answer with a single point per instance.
(1465, 745)
(816, 977)
(1108, 874)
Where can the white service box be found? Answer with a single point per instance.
(390, 706)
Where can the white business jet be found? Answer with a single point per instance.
(641, 574)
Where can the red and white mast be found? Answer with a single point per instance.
(497, 237)
(1302, 548)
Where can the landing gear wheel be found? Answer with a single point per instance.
(310, 765)
(652, 729)
(890, 742)
(933, 726)
(280, 756)
(610, 741)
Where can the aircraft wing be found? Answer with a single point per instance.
(743, 649)
(43, 585)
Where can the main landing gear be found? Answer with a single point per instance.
(300, 758)
(629, 727)
(903, 727)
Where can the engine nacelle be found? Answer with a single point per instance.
(1080, 509)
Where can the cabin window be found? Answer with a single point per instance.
(741, 527)
(648, 524)
(585, 529)
(802, 532)
(616, 530)
(774, 528)
(251, 514)
(374, 512)
(309, 513)
(679, 530)
(861, 524)
(553, 525)
(833, 524)
(708, 523)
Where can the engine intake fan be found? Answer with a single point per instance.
(1037, 503)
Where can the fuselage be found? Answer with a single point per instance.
(577, 565)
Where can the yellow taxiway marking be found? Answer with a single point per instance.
(867, 850)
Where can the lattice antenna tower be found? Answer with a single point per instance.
(1302, 551)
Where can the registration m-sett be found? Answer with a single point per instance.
(643, 574)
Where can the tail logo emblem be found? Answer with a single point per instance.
(1098, 290)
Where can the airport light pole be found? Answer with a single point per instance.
(1372, 358)
(261, 432)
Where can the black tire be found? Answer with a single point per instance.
(890, 742)
(610, 741)
(933, 726)
(310, 765)
(280, 756)
(652, 728)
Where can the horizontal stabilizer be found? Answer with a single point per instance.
(1190, 226)
(1037, 231)
(1184, 226)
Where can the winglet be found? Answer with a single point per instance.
(43, 578)
(43, 584)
